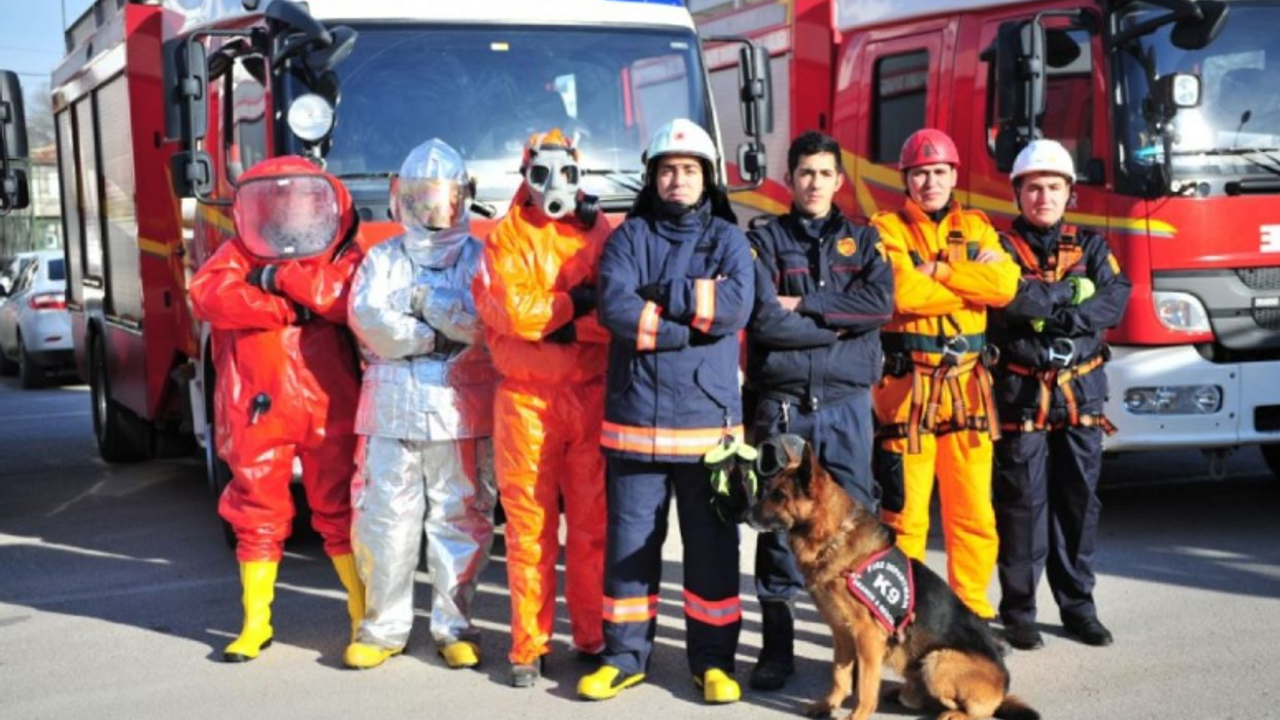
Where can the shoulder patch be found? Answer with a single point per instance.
(1114, 263)
(884, 254)
(846, 246)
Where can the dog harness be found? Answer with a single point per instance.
(886, 585)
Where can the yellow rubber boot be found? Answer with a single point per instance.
(350, 577)
(606, 683)
(461, 654)
(258, 578)
(362, 656)
(718, 688)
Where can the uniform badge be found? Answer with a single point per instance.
(847, 247)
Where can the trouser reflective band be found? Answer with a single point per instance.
(637, 609)
(712, 612)
(1060, 378)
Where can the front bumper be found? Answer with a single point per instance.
(1250, 397)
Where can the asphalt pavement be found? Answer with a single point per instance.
(117, 594)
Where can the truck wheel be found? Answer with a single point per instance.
(1271, 453)
(216, 470)
(30, 376)
(218, 474)
(122, 436)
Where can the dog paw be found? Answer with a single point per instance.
(818, 709)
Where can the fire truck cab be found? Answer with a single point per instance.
(1172, 111)
(160, 105)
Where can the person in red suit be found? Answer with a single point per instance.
(287, 374)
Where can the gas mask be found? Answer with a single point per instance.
(552, 176)
(287, 217)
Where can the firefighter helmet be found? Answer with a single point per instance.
(927, 147)
(681, 137)
(1044, 156)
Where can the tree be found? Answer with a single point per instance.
(39, 111)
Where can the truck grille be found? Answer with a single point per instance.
(1263, 278)
(1268, 319)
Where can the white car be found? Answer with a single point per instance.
(35, 327)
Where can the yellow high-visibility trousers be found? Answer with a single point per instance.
(961, 461)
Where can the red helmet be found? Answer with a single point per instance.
(926, 147)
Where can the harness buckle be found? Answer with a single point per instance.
(1061, 352)
(991, 356)
(953, 349)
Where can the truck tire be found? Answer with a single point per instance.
(121, 435)
(216, 470)
(1271, 453)
(30, 375)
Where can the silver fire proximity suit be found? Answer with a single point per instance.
(426, 409)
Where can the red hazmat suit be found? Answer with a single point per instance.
(287, 377)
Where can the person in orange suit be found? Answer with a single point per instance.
(535, 292)
(934, 404)
(287, 375)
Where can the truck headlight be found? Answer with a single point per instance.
(1180, 311)
(310, 117)
(1174, 400)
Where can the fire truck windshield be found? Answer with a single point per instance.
(485, 89)
(1234, 132)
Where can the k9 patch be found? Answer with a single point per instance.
(886, 585)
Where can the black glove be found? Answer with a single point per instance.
(584, 300)
(446, 347)
(302, 314)
(263, 277)
(656, 293)
(697, 337)
(1061, 293)
(566, 334)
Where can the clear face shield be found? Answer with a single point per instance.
(287, 217)
(433, 191)
(430, 203)
(552, 176)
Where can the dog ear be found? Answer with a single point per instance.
(807, 470)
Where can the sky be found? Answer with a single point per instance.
(32, 43)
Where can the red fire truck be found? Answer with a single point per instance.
(161, 105)
(1172, 110)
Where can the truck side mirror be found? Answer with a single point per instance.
(187, 78)
(1020, 87)
(755, 90)
(308, 33)
(752, 163)
(1196, 33)
(13, 144)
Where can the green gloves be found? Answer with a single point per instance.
(1082, 289)
(733, 478)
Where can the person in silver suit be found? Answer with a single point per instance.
(425, 417)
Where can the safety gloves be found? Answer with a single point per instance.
(734, 487)
(1072, 291)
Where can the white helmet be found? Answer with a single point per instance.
(681, 137)
(1046, 156)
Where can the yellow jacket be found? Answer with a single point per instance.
(954, 300)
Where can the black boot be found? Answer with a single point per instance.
(777, 658)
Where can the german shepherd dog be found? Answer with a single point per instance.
(945, 653)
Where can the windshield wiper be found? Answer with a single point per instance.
(1272, 164)
(628, 179)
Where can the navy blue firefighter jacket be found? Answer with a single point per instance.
(673, 388)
